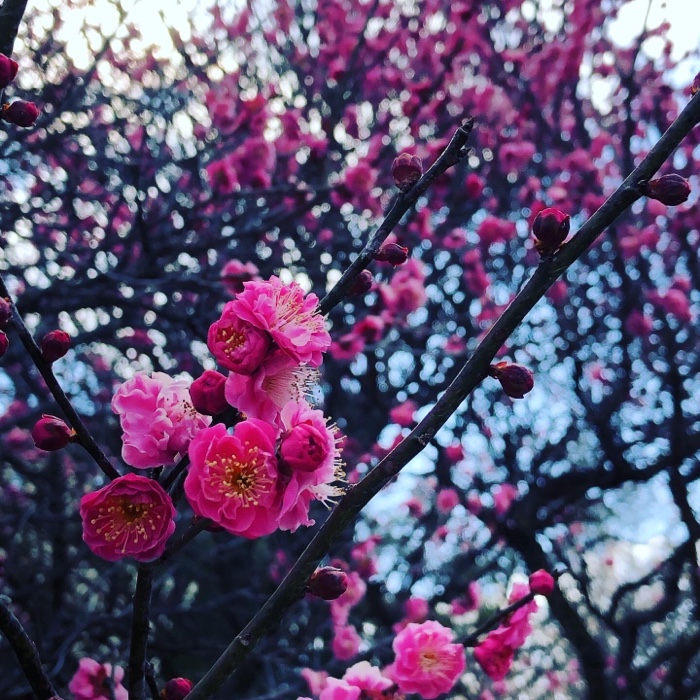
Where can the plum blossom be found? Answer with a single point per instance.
(157, 417)
(130, 517)
(346, 642)
(290, 317)
(427, 661)
(233, 479)
(96, 681)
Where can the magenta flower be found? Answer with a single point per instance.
(346, 642)
(336, 689)
(291, 318)
(495, 655)
(368, 679)
(233, 479)
(158, 419)
(130, 517)
(236, 344)
(427, 660)
(92, 681)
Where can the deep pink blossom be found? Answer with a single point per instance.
(336, 689)
(236, 344)
(233, 479)
(96, 681)
(541, 582)
(494, 655)
(368, 679)
(346, 642)
(130, 517)
(157, 417)
(234, 273)
(288, 315)
(427, 660)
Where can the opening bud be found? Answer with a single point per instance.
(361, 284)
(541, 582)
(328, 583)
(5, 312)
(392, 253)
(516, 380)
(8, 70)
(20, 113)
(54, 345)
(51, 433)
(208, 393)
(4, 343)
(406, 171)
(671, 189)
(176, 689)
(550, 228)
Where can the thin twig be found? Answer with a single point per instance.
(476, 369)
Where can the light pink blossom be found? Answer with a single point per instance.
(346, 642)
(92, 681)
(233, 479)
(157, 417)
(427, 660)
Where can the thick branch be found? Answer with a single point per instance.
(139, 632)
(11, 14)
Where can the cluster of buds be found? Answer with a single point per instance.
(19, 112)
(550, 228)
(516, 380)
(406, 171)
(671, 189)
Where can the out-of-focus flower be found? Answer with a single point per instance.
(541, 582)
(4, 343)
(176, 689)
(96, 681)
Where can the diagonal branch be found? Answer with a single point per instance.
(11, 13)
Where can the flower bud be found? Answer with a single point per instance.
(695, 87)
(541, 582)
(54, 345)
(304, 448)
(328, 583)
(550, 228)
(207, 393)
(516, 380)
(671, 189)
(51, 433)
(20, 113)
(8, 70)
(392, 253)
(4, 343)
(406, 171)
(176, 689)
(5, 312)
(361, 284)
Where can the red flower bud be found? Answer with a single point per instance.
(176, 689)
(8, 70)
(361, 284)
(392, 253)
(406, 171)
(51, 433)
(20, 113)
(207, 393)
(550, 228)
(5, 312)
(54, 345)
(328, 583)
(4, 343)
(516, 380)
(541, 582)
(671, 189)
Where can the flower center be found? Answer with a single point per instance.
(429, 660)
(121, 519)
(244, 479)
(231, 338)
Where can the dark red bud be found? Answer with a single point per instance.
(671, 189)
(516, 380)
(5, 312)
(8, 70)
(51, 433)
(20, 113)
(550, 228)
(392, 253)
(54, 345)
(176, 689)
(4, 343)
(406, 171)
(361, 284)
(208, 393)
(695, 87)
(328, 583)
(541, 582)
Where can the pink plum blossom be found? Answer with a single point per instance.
(158, 419)
(289, 316)
(233, 479)
(96, 681)
(368, 679)
(346, 642)
(427, 661)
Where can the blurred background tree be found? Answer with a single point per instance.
(257, 140)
